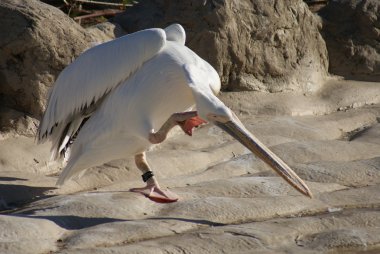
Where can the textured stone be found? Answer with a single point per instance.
(352, 33)
(36, 42)
(254, 45)
(20, 234)
(230, 200)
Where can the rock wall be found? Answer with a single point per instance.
(352, 33)
(254, 45)
(36, 42)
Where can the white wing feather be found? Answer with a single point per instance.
(96, 72)
(84, 85)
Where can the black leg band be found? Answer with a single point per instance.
(146, 176)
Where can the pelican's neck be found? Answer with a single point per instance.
(207, 103)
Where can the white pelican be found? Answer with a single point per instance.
(120, 97)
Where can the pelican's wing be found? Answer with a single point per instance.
(176, 33)
(94, 74)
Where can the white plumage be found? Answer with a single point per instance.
(140, 81)
(128, 88)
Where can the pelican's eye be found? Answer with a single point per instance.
(212, 117)
(217, 118)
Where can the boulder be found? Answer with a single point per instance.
(36, 42)
(351, 29)
(105, 31)
(13, 123)
(254, 45)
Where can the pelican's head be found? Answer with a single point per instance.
(210, 108)
(205, 83)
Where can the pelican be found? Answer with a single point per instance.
(119, 98)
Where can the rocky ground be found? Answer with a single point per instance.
(231, 202)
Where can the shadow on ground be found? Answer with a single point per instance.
(14, 196)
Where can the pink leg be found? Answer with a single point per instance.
(152, 190)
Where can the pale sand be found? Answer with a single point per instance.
(231, 202)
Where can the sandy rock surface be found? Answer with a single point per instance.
(254, 45)
(230, 202)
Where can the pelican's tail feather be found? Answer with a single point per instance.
(67, 173)
(75, 165)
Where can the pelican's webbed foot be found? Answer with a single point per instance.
(156, 194)
(152, 190)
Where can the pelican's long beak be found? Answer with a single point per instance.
(237, 130)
